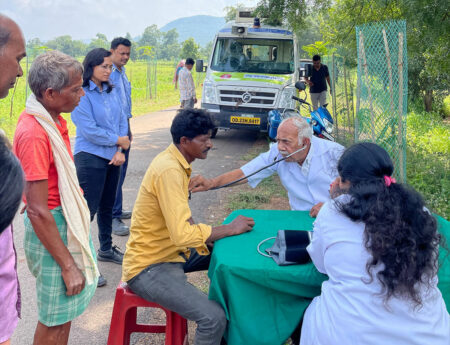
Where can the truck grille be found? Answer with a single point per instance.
(253, 98)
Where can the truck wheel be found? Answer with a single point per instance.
(214, 133)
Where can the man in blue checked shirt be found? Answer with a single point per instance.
(120, 49)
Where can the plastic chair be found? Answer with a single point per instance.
(124, 320)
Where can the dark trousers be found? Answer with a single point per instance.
(166, 284)
(99, 181)
(117, 209)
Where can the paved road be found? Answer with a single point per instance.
(151, 136)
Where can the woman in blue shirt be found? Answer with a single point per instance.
(101, 136)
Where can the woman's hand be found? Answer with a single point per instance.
(123, 142)
(118, 159)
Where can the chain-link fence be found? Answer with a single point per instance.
(343, 79)
(381, 91)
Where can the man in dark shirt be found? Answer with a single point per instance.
(318, 83)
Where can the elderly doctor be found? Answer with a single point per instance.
(306, 175)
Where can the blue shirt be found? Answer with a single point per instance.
(100, 121)
(306, 184)
(123, 87)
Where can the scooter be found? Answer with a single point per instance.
(320, 120)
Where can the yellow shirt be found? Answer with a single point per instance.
(160, 230)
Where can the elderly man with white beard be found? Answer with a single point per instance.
(306, 175)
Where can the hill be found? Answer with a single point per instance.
(202, 28)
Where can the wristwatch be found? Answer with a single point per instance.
(120, 149)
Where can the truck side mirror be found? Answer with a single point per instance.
(308, 70)
(199, 66)
(300, 85)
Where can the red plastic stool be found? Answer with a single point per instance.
(124, 320)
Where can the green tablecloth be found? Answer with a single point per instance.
(264, 302)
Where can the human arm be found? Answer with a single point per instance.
(170, 188)
(36, 193)
(118, 159)
(238, 226)
(201, 184)
(315, 209)
(86, 123)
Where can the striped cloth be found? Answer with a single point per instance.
(54, 306)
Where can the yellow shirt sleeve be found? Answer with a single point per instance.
(171, 191)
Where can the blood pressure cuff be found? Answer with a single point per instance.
(289, 247)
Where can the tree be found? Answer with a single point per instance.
(190, 49)
(169, 47)
(101, 41)
(318, 48)
(206, 51)
(428, 30)
(231, 11)
(133, 48)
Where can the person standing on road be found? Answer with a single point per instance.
(177, 72)
(318, 83)
(165, 242)
(187, 86)
(58, 245)
(12, 50)
(101, 138)
(120, 54)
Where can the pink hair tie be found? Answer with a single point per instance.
(388, 180)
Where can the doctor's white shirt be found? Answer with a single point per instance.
(306, 184)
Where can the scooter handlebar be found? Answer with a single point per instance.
(299, 100)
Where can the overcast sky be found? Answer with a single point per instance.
(83, 19)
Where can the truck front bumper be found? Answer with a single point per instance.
(226, 117)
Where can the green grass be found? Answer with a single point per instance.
(428, 159)
(166, 95)
(255, 198)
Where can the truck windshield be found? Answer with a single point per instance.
(253, 55)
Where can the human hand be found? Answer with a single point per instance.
(123, 142)
(200, 184)
(118, 159)
(242, 224)
(73, 279)
(315, 209)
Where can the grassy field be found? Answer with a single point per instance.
(165, 96)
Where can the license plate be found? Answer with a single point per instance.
(245, 120)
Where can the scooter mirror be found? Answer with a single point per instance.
(300, 85)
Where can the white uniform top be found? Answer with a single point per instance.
(349, 311)
(307, 184)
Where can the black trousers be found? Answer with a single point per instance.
(99, 181)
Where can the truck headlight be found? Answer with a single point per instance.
(286, 98)
(328, 126)
(209, 93)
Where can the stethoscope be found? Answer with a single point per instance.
(257, 171)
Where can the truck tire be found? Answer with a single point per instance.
(214, 133)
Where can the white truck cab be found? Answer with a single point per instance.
(251, 71)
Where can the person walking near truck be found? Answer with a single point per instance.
(187, 86)
(318, 83)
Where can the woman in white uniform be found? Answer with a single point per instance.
(378, 245)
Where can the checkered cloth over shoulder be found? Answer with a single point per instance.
(54, 306)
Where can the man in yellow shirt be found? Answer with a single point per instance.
(165, 243)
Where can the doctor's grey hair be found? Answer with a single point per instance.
(52, 70)
(303, 127)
